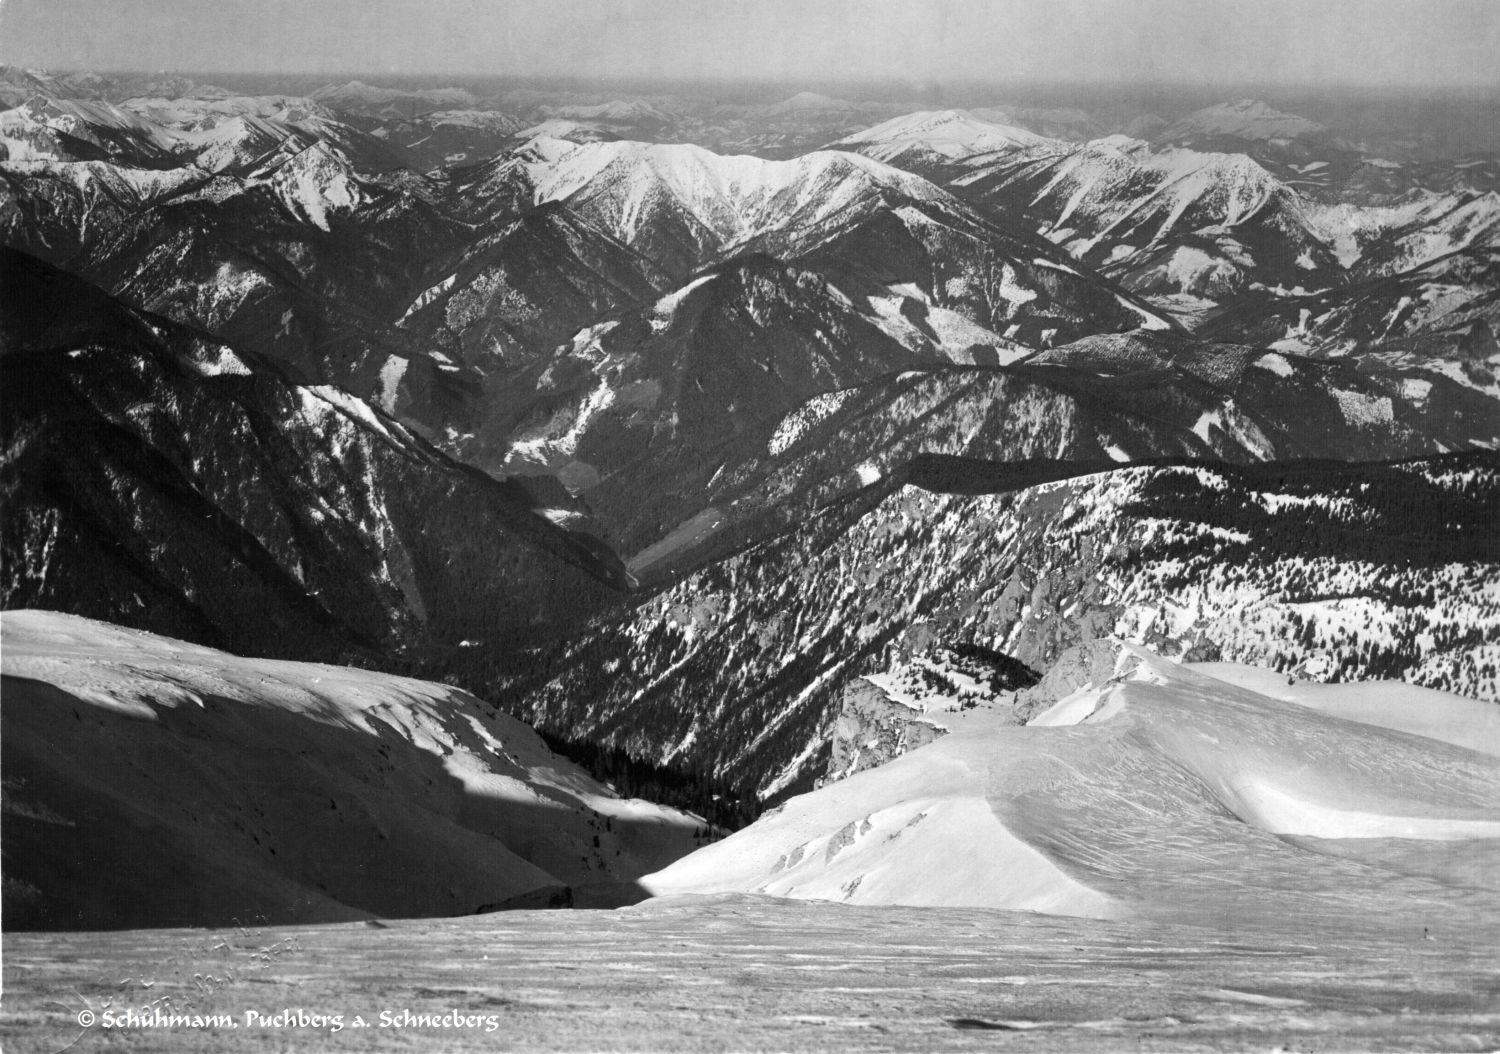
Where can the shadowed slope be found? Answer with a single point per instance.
(154, 782)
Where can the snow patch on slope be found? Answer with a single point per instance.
(796, 424)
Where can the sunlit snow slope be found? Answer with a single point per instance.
(1162, 793)
(153, 782)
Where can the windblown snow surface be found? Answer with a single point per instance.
(1162, 794)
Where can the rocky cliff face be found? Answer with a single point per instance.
(873, 728)
(929, 686)
(1088, 664)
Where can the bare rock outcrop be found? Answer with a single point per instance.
(873, 728)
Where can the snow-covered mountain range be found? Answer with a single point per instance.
(696, 430)
(1193, 228)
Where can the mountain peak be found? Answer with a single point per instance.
(1121, 142)
(699, 204)
(808, 100)
(1249, 119)
(618, 111)
(315, 181)
(941, 135)
(357, 93)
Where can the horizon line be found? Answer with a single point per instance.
(1384, 89)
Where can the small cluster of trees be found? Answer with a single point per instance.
(725, 806)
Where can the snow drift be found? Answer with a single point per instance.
(1163, 793)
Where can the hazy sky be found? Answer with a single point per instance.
(1390, 43)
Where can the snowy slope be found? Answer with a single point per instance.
(1165, 793)
(717, 202)
(852, 218)
(199, 786)
(213, 133)
(563, 129)
(208, 110)
(291, 239)
(51, 129)
(82, 201)
(1119, 202)
(315, 183)
(1388, 239)
(1119, 397)
(511, 299)
(1444, 315)
(643, 413)
(632, 412)
(856, 220)
(1388, 704)
(1236, 208)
